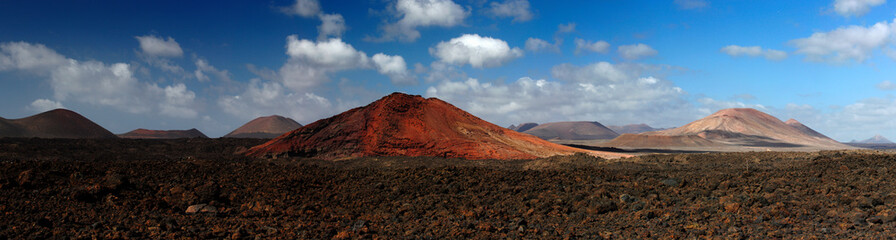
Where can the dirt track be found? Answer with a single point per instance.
(142, 188)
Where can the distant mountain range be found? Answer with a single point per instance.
(735, 127)
(877, 139)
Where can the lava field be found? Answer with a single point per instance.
(200, 188)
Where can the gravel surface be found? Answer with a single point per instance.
(166, 189)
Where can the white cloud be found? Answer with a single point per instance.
(268, 98)
(304, 8)
(856, 8)
(886, 85)
(29, 57)
(420, 13)
(43, 105)
(584, 45)
(310, 62)
(157, 47)
(612, 94)
(517, 9)
(332, 53)
(636, 51)
(176, 100)
(846, 43)
(475, 50)
(691, 4)
(753, 51)
(535, 45)
(566, 28)
(203, 68)
(332, 25)
(394, 67)
(92, 82)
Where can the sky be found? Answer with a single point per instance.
(215, 65)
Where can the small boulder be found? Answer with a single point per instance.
(201, 208)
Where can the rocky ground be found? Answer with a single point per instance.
(199, 189)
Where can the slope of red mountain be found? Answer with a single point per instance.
(738, 127)
(572, 131)
(633, 128)
(803, 128)
(522, 127)
(265, 127)
(59, 123)
(406, 125)
(141, 133)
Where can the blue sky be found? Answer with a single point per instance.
(215, 65)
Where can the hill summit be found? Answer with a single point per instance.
(58, 123)
(265, 127)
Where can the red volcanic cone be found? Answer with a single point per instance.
(406, 125)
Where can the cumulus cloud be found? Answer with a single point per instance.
(636, 51)
(753, 51)
(517, 9)
(886, 85)
(157, 47)
(584, 45)
(394, 67)
(566, 28)
(331, 25)
(304, 8)
(420, 13)
(263, 98)
(310, 63)
(43, 105)
(94, 82)
(203, 69)
(478, 51)
(29, 57)
(691, 4)
(855, 8)
(605, 92)
(846, 43)
(535, 45)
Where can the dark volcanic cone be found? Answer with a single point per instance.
(162, 134)
(406, 125)
(265, 127)
(59, 123)
(633, 128)
(572, 131)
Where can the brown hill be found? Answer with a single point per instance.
(522, 127)
(406, 125)
(59, 123)
(572, 131)
(633, 128)
(141, 133)
(735, 127)
(265, 127)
